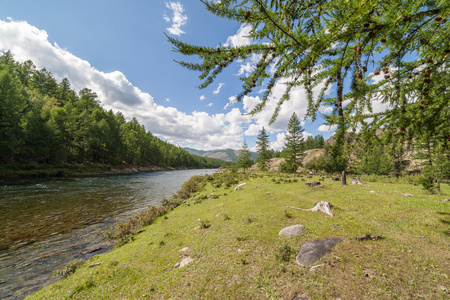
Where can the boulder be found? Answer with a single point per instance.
(292, 230)
(313, 251)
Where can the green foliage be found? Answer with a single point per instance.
(264, 154)
(284, 253)
(46, 122)
(244, 160)
(70, 268)
(366, 52)
(427, 182)
(294, 145)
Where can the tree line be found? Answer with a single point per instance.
(46, 122)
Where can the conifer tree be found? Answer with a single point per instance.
(262, 145)
(294, 143)
(333, 44)
(244, 160)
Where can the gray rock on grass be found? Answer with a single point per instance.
(313, 251)
(292, 230)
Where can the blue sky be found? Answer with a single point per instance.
(119, 50)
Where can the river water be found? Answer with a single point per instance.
(46, 223)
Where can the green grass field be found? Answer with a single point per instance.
(241, 256)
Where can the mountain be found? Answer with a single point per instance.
(223, 154)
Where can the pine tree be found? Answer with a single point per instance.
(262, 145)
(329, 44)
(244, 160)
(294, 143)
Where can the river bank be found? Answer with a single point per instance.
(47, 171)
(224, 244)
(47, 222)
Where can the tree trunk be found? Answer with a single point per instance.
(344, 178)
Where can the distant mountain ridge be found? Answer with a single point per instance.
(223, 154)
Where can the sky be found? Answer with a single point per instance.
(119, 50)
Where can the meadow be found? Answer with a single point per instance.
(231, 240)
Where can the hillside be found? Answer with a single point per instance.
(223, 154)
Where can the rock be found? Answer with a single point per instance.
(185, 261)
(369, 236)
(185, 249)
(94, 265)
(407, 195)
(292, 230)
(372, 192)
(337, 178)
(356, 182)
(446, 200)
(315, 183)
(95, 248)
(313, 251)
(214, 196)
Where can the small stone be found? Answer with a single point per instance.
(186, 261)
(176, 265)
(94, 265)
(292, 230)
(356, 182)
(197, 228)
(407, 195)
(446, 200)
(185, 249)
(372, 192)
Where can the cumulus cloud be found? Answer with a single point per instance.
(201, 129)
(327, 128)
(210, 104)
(241, 38)
(177, 19)
(231, 102)
(202, 97)
(221, 84)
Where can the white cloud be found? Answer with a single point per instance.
(241, 38)
(178, 19)
(231, 102)
(221, 84)
(167, 100)
(327, 128)
(201, 129)
(279, 143)
(210, 104)
(202, 97)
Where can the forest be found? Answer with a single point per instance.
(45, 122)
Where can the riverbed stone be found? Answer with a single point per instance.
(292, 230)
(313, 251)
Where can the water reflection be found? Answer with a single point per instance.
(46, 223)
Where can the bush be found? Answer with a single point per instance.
(70, 268)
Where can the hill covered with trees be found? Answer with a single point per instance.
(44, 122)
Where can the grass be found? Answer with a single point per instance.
(241, 256)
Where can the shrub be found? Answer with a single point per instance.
(70, 268)
(284, 253)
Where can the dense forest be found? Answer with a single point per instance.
(46, 122)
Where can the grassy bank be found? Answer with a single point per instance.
(237, 253)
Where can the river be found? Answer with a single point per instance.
(46, 223)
